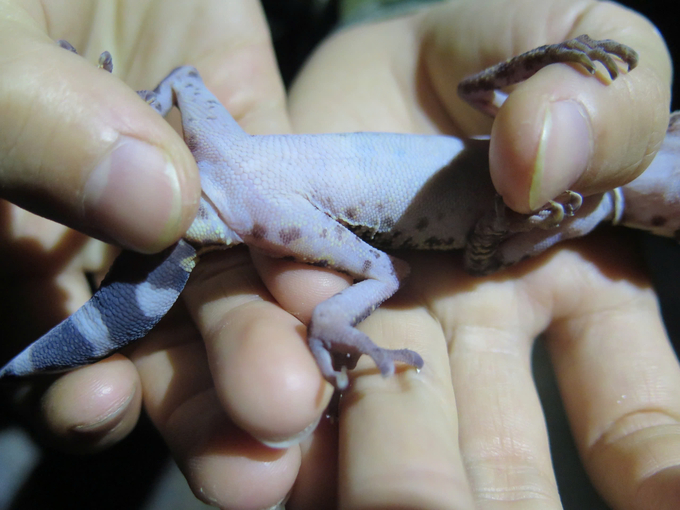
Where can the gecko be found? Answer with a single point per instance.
(338, 201)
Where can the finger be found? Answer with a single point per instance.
(316, 484)
(98, 158)
(86, 410)
(561, 128)
(399, 445)
(366, 77)
(219, 460)
(620, 381)
(262, 368)
(490, 329)
(253, 378)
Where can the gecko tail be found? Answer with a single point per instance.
(135, 295)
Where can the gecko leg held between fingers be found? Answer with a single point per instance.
(338, 200)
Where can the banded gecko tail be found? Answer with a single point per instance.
(136, 293)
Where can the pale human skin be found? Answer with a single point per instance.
(252, 375)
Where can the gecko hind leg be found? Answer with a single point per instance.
(480, 89)
(337, 344)
(493, 229)
(332, 335)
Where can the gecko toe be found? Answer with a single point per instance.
(335, 357)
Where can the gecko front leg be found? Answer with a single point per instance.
(482, 251)
(480, 89)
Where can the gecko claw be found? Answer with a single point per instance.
(554, 212)
(571, 202)
(105, 62)
(67, 46)
(150, 98)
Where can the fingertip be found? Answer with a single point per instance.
(134, 180)
(90, 153)
(94, 407)
(267, 379)
(221, 462)
(539, 148)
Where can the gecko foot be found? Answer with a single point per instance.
(336, 357)
(105, 61)
(479, 89)
(151, 98)
(491, 230)
(554, 212)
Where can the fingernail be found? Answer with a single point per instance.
(563, 153)
(287, 442)
(133, 196)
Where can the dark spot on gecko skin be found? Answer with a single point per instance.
(408, 244)
(325, 203)
(366, 266)
(202, 213)
(259, 231)
(191, 141)
(339, 231)
(433, 243)
(288, 235)
(351, 213)
(659, 221)
(422, 224)
(193, 73)
(362, 315)
(324, 233)
(331, 206)
(376, 254)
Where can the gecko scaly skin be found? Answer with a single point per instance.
(336, 200)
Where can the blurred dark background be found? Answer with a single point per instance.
(139, 474)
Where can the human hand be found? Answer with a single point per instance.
(264, 378)
(81, 148)
(468, 430)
